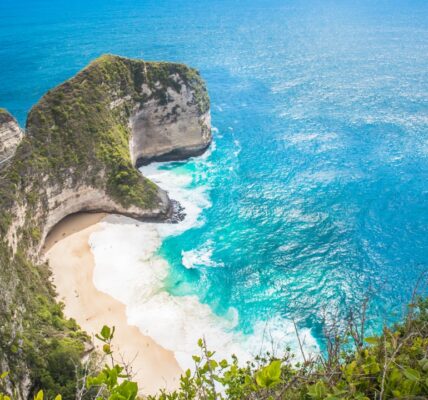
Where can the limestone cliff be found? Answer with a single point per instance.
(171, 129)
(82, 142)
(85, 137)
(10, 136)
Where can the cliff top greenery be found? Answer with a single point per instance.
(77, 134)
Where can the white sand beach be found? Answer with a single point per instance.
(72, 264)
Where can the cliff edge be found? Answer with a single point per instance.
(82, 143)
(10, 136)
(85, 137)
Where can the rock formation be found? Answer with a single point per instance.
(82, 143)
(172, 130)
(85, 137)
(10, 136)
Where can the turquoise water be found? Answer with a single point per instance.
(318, 182)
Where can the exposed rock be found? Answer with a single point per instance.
(85, 137)
(85, 198)
(82, 142)
(10, 136)
(174, 130)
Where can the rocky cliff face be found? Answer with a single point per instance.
(85, 137)
(172, 129)
(83, 140)
(10, 136)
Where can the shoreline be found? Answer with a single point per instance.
(72, 264)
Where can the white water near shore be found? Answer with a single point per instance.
(71, 262)
(128, 268)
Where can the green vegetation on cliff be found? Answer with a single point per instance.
(82, 126)
(80, 131)
(77, 135)
(37, 342)
(3, 112)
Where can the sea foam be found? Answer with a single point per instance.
(200, 257)
(128, 268)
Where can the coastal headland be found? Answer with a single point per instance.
(83, 141)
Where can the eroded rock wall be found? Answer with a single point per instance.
(85, 137)
(82, 142)
(172, 130)
(10, 137)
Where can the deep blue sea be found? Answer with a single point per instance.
(318, 183)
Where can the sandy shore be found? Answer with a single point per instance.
(72, 263)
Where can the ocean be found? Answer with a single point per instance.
(314, 194)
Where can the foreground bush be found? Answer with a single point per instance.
(393, 365)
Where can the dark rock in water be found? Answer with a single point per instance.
(177, 213)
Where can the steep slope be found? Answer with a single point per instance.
(10, 136)
(83, 140)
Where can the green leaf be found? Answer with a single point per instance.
(350, 368)
(270, 375)
(127, 390)
(105, 332)
(261, 379)
(371, 340)
(318, 391)
(395, 376)
(39, 395)
(424, 364)
(412, 374)
(274, 370)
(4, 374)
